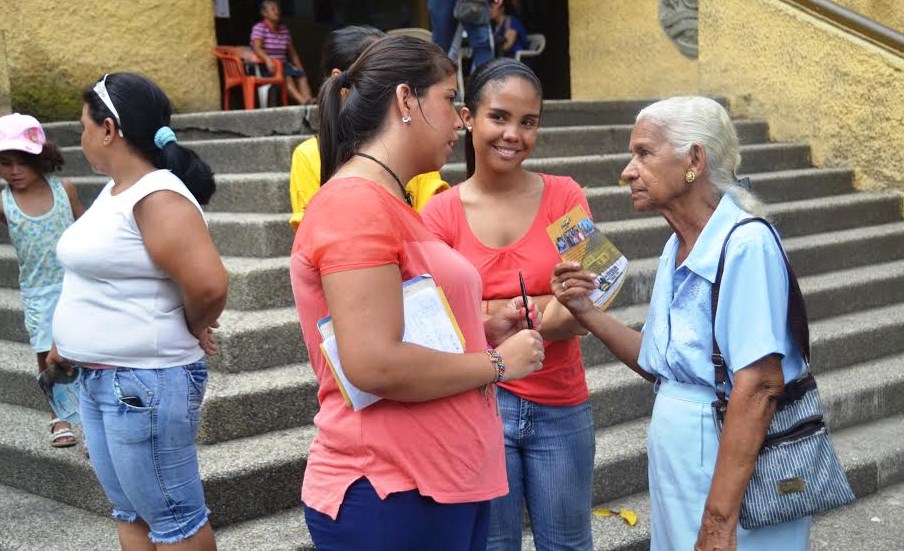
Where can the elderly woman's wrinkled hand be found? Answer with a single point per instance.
(717, 535)
(572, 287)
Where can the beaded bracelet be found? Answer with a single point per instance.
(498, 364)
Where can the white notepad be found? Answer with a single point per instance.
(428, 320)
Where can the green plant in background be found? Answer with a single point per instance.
(47, 97)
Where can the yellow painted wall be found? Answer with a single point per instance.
(619, 51)
(56, 48)
(4, 77)
(888, 12)
(811, 81)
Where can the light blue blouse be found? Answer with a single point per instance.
(752, 317)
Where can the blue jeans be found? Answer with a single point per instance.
(549, 460)
(443, 26)
(404, 521)
(143, 450)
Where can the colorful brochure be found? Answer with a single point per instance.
(578, 240)
(429, 322)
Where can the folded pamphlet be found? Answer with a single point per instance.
(578, 240)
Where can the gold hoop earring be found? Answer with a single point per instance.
(690, 176)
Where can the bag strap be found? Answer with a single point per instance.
(797, 312)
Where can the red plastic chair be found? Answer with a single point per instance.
(232, 59)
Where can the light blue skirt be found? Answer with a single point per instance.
(38, 304)
(682, 445)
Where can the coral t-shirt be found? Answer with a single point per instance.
(561, 382)
(450, 449)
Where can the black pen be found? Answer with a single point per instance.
(530, 324)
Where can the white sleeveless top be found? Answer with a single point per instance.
(117, 306)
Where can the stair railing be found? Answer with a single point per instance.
(854, 22)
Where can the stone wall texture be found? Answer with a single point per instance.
(812, 81)
(54, 49)
(619, 51)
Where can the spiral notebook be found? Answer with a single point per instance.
(428, 320)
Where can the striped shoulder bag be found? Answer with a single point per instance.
(797, 471)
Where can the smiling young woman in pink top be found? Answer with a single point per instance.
(497, 218)
(417, 469)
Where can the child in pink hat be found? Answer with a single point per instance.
(36, 207)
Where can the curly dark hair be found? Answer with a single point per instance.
(50, 159)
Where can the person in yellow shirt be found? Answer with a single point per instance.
(341, 48)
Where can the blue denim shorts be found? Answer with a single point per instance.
(140, 428)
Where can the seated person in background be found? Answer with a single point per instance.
(270, 40)
(509, 33)
(340, 49)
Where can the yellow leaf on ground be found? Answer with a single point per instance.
(630, 517)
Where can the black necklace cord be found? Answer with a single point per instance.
(405, 193)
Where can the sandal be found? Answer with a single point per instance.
(58, 438)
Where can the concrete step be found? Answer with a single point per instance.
(605, 169)
(243, 479)
(852, 394)
(281, 121)
(644, 237)
(236, 405)
(294, 120)
(268, 192)
(269, 234)
(872, 455)
(274, 153)
(258, 339)
(838, 341)
(873, 458)
(264, 282)
(38, 524)
(614, 203)
(588, 139)
(263, 192)
(254, 402)
(251, 234)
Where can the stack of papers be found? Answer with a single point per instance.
(428, 320)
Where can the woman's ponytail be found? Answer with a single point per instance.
(142, 113)
(329, 140)
(188, 167)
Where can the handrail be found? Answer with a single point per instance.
(853, 21)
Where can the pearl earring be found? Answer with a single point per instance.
(406, 119)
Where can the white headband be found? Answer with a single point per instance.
(101, 90)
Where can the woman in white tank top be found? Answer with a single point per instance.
(143, 287)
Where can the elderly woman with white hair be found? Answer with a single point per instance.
(684, 156)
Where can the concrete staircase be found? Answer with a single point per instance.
(256, 427)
